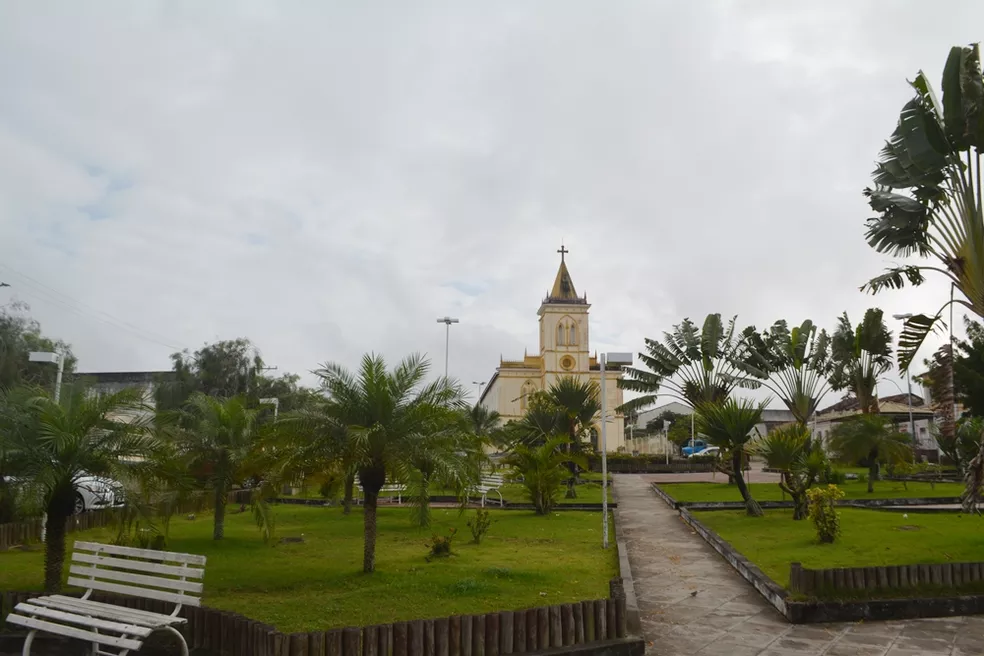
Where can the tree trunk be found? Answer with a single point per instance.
(872, 470)
(60, 507)
(349, 491)
(751, 505)
(369, 532)
(218, 526)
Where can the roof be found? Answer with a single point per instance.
(563, 288)
(124, 376)
(851, 403)
(885, 407)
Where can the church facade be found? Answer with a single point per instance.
(564, 342)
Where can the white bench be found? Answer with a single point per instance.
(390, 489)
(161, 575)
(490, 483)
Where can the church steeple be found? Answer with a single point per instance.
(563, 288)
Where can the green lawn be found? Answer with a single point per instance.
(524, 561)
(869, 538)
(771, 492)
(587, 492)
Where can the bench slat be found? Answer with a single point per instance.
(140, 565)
(72, 632)
(133, 591)
(128, 577)
(108, 611)
(74, 618)
(149, 554)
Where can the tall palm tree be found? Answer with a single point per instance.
(871, 438)
(859, 356)
(577, 403)
(730, 425)
(694, 366)
(799, 460)
(927, 193)
(794, 364)
(484, 422)
(543, 468)
(391, 416)
(53, 445)
(219, 447)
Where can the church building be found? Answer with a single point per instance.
(563, 352)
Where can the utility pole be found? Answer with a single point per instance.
(447, 321)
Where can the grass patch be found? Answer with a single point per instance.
(869, 538)
(588, 491)
(771, 491)
(524, 561)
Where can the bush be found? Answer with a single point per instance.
(833, 476)
(480, 524)
(440, 547)
(822, 512)
(330, 488)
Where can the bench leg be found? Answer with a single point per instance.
(184, 643)
(27, 643)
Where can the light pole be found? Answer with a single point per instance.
(447, 321)
(480, 386)
(54, 358)
(275, 402)
(619, 359)
(908, 383)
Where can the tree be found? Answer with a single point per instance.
(927, 193)
(794, 364)
(695, 366)
(860, 355)
(485, 424)
(799, 460)
(729, 425)
(219, 447)
(224, 369)
(576, 402)
(870, 438)
(964, 444)
(19, 335)
(52, 446)
(543, 469)
(390, 416)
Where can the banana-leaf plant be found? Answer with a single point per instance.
(927, 194)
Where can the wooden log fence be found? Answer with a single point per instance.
(493, 634)
(848, 580)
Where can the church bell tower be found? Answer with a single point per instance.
(563, 327)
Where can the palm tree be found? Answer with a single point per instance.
(391, 416)
(543, 469)
(927, 193)
(577, 403)
(794, 364)
(729, 425)
(800, 462)
(219, 447)
(871, 438)
(484, 422)
(693, 366)
(860, 355)
(53, 445)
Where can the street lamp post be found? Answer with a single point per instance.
(480, 384)
(54, 358)
(908, 383)
(619, 359)
(447, 321)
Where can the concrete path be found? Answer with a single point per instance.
(692, 602)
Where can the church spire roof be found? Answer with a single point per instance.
(563, 288)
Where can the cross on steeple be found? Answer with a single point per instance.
(562, 251)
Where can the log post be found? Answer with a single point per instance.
(454, 636)
(478, 635)
(578, 623)
(795, 578)
(589, 621)
(601, 617)
(505, 633)
(415, 643)
(430, 647)
(567, 624)
(556, 637)
(519, 632)
(370, 641)
(299, 644)
(532, 641)
(467, 628)
(442, 638)
(399, 640)
(492, 634)
(351, 641)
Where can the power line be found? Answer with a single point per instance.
(51, 295)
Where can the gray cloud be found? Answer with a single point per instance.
(328, 178)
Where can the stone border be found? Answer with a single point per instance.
(625, 571)
(491, 505)
(817, 611)
(888, 504)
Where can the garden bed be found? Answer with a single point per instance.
(524, 561)
(712, 492)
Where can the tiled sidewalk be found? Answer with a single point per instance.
(692, 602)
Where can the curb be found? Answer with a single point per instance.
(633, 621)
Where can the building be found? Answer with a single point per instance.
(564, 351)
(771, 419)
(111, 382)
(895, 408)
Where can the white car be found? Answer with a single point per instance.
(709, 451)
(96, 492)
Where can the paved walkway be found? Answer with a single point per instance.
(692, 602)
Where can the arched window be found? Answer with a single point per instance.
(573, 335)
(561, 334)
(524, 395)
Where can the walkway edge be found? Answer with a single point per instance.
(625, 571)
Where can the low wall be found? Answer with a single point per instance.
(849, 580)
(596, 627)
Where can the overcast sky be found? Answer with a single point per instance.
(328, 178)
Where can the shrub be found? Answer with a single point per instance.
(833, 476)
(822, 512)
(440, 547)
(480, 524)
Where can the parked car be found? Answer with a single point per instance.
(694, 447)
(709, 451)
(92, 492)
